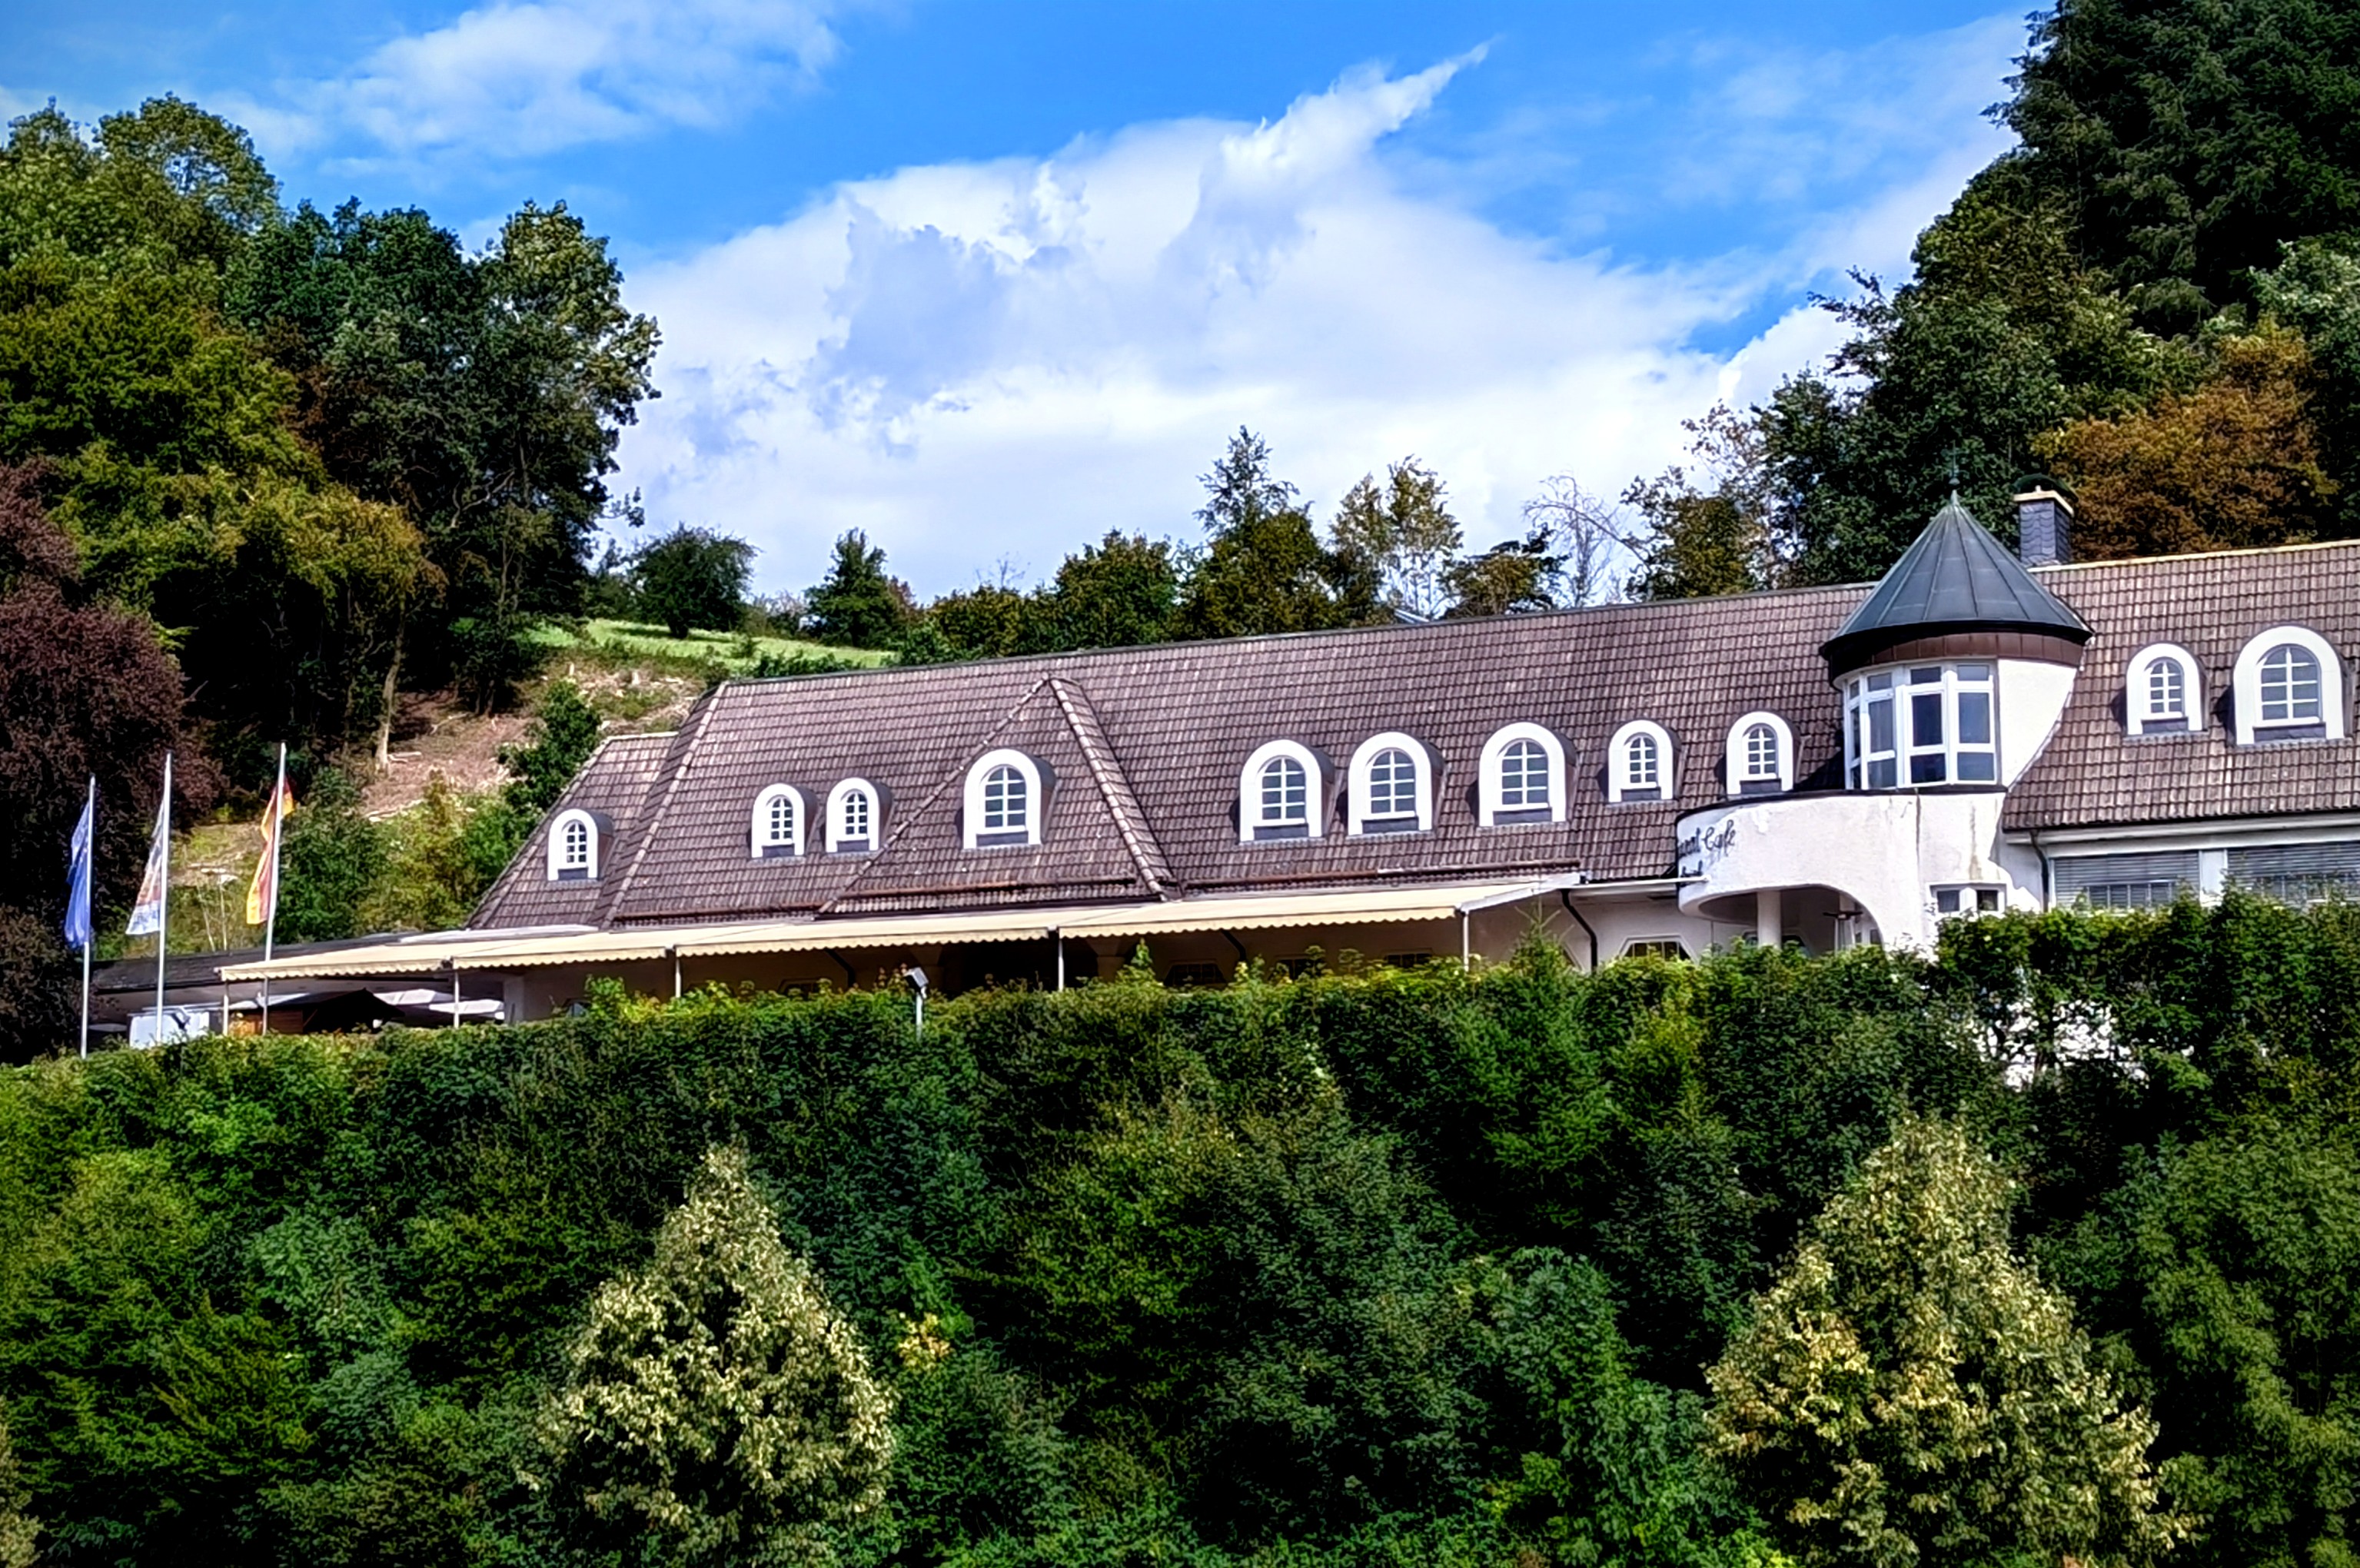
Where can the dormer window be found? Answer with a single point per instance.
(1639, 762)
(855, 815)
(1004, 800)
(574, 847)
(778, 824)
(1391, 786)
(1761, 755)
(1280, 794)
(2161, 694)
(1522, 777)
(1930, 724)
(2289, 685)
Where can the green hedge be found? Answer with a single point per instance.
(1392, 1266)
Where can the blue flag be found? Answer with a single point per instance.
(78, 932)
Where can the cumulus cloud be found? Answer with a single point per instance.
(996, 360)
(524, 78)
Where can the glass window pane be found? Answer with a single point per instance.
(1974, 718)
(1977, 767)
(1930, 676)
(1946, 900)
(1979, 674)
(1927, 768)
(1925, 718)
(1880, 774)
(1880, 725)
(1880, 682)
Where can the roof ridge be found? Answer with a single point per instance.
(687, 738)
(1122, 804)
(904, 821)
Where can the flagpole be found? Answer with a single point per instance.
(90, 814)
(270, 914)
(164, 910)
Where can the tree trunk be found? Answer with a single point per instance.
(385, 710)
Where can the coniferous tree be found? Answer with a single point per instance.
(857, 605)
(714, 1404)
(1910, 1392)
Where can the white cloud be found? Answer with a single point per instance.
(1000, 360)
(523, 78)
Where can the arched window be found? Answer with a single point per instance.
(1281, 793)
(2289, 685)
(856, 812)
(778, 825)
(1639, 763)
(1521, 777)
(1004, 800)
(1761, 755)
(1391, 786)
(574, 847)
(2161, 693)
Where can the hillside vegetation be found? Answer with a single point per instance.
(1370, 1268)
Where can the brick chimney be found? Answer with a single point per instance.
(2044, 524)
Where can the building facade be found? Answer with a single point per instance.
(1825, 767)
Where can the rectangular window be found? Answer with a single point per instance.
(2123, 881)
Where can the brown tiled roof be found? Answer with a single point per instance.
(2094, 773)
(1144, 747)
(614, 783)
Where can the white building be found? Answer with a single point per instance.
(1822, 767)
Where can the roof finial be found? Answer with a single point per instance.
(1951, 460)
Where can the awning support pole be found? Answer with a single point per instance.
(1058, 938)
(675, 973)
(454, 990)
(1465, 941)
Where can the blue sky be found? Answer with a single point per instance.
(986, 279)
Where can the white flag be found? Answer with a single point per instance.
(147, 914)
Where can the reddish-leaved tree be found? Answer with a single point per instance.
(85, 688)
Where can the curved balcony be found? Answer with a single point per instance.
(1838, 866)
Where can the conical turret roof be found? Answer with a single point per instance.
(1954, 578)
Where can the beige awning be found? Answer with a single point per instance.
(1334, 906)
(439, 952)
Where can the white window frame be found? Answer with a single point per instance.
(838, 834)
(1618, 784)
(558, 864)
(1737, 775)
(1315, 794)
(1421, 770)
(758, 825)
(1969, 900)
(1036, 800)
(1862, 691)
(2136, 718)
(1493, 779)
(2245, 686)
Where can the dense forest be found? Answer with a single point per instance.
(2045, 1250)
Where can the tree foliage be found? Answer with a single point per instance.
(714, 1400)
(2231, 464)
(1386, 1264)
(857, 605)
(1909, 1392)
(692, 578)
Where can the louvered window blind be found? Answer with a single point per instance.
(2125, 881)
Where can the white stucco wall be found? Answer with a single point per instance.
(1885, 852)
(2031, 699)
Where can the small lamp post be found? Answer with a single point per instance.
(918, 979)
